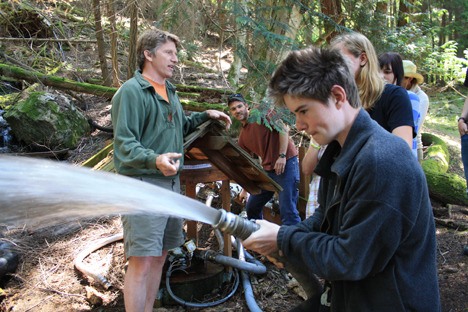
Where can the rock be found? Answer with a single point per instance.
(297, 288)
(94, 297)
(8, 260)
(450, 269)
(47, 119)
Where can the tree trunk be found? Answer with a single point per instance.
(403, 14)
(239, 43)
(100, 42)
(443, 25)
(56, 82)
(113, 36)
(295, 20)
(332, 9)
(133, 8)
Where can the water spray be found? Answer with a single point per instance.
(235, 225)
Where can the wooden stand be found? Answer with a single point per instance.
(190, 177)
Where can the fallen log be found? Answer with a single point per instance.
(56, 82)
(446, 188)
(186, 93)
(453, 224)
(71, 40)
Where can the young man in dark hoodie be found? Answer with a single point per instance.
(372, 239)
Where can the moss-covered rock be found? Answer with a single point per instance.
(47, 119)
(447, 188)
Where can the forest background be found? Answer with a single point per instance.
(433, 34)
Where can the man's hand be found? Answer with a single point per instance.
(279, 165)
(462, 127)
(168, 163)
(214, 114)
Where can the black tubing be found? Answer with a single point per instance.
(248, 291)
(254, 268)
(194, 304)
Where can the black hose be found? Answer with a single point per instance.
(248, 291)
(94, 125)
(194, 304)
(254, 268)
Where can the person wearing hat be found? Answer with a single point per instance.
(412, 82)
(279, 159)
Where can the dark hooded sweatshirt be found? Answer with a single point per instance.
(373, 237)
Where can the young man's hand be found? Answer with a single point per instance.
(263, 240)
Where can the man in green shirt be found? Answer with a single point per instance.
(149, 127)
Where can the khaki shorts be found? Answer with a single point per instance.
(148, 235)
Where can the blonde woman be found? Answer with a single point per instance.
(389, 105)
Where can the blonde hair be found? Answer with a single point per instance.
(369, 82)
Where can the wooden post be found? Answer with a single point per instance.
(190, 178)
(226, 200)
(303, 185)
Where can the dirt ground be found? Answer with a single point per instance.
(46, 279)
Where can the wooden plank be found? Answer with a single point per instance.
(224, 165)
(204, 175)
(211, 142)
(192, 231)
(96, 158)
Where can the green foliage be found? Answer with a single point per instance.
(411, 41)
(444, 109)
(271, 116)
(443, 65)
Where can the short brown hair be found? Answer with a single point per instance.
(151, 39)
(311, 73)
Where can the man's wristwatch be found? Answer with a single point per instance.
(282, 155)
(461, 118)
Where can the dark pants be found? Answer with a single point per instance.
(289, 181)
(464, 155)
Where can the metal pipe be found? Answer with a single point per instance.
(233, 224)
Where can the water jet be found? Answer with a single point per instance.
(39, 193)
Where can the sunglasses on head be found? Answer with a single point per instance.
(235, 96)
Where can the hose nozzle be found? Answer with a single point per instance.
(237, 226)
